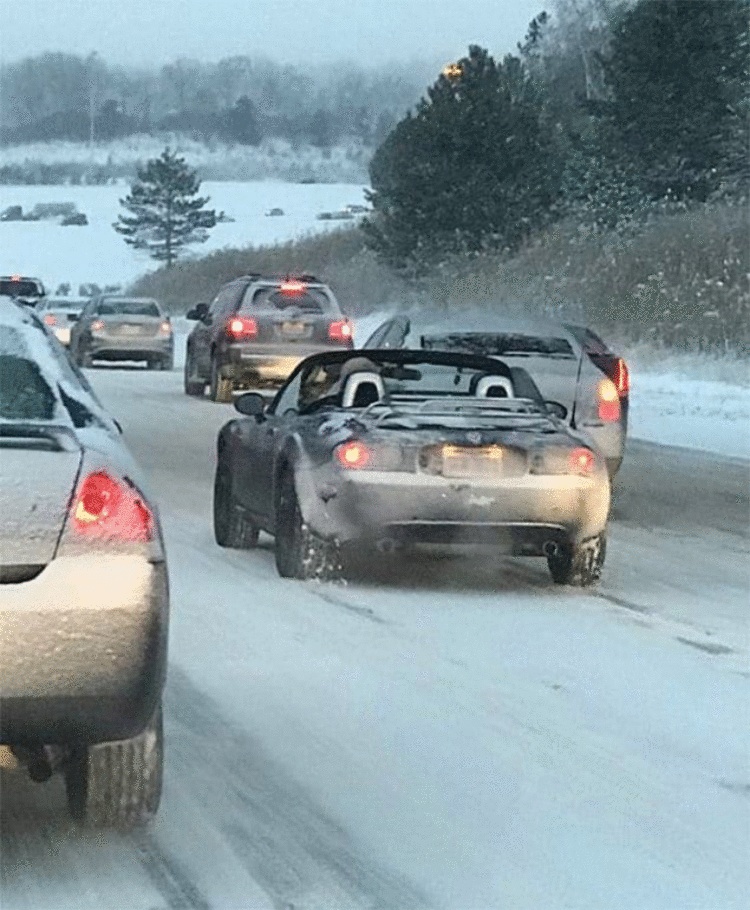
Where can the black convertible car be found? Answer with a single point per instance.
(386, 447)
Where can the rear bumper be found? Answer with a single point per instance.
(136, 348)
(517, 515)
(260, 365)
(83, 650)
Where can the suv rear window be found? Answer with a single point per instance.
(128, 308)
(22, 288)
(311, 300)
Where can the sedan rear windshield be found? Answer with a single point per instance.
(129, 308)
(497, 344)
(310, 300)
(24, 392)
(22, 288)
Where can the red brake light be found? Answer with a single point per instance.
(352, 454)
(340, 331)
(293, 287)
(166, 327)
(242, 327)
(621, 378)
(609, 401)
(50, 319)
(582, 461)
(97, 325)
(108, 509)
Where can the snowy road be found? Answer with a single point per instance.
(453, 734)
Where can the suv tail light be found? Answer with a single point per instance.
(110, 509)
(616, 369)
(340, 331)
(50, 319)
(166, 327)
(242, 327)
(609, 408)
(97, 325)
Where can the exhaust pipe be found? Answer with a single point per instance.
(550, 548)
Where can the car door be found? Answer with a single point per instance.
(201, 343)
(82, 327)
(260, 442)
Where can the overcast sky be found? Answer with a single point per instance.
(370, 32)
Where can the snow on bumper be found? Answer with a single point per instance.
(83, 649)
(516, 514)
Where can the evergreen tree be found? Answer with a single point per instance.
(678, 75)
(166, 212)
(474, 166)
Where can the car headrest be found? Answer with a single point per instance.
(494, 387)
(362, 389)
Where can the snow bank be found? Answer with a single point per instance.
(698, 414)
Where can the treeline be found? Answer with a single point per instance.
(611, 112)
(58, 96)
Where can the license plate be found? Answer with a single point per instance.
(468, 461)
(293, 329)
(130, 330)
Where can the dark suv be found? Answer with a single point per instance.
(257, 329)
(28, 291)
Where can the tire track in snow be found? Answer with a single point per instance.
(287, 843)
(169, 877)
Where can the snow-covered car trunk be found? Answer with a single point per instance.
(34, 513)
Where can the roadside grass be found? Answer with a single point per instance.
(679, 283)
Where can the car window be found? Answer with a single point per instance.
(224, 302)
(129, 308)
(24, 392)
(19, 288)
(275, 300)
(288, 397)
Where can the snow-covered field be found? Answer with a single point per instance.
(272, 159)
(96, 253)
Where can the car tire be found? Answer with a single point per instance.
(300, 553)
(117, 784)
(193, 385)
(231, 527)
(579, 566)
(220, 389)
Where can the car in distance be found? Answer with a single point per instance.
(257, 329)
(84, 596)
(59, 314)
(116, 328)
(404, 446)
(22, 289)
(569, 363)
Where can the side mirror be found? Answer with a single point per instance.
(559, 410)
(250, 404)
(198, 312)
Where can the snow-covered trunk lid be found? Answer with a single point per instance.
(38, 472)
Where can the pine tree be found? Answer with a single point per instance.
(474, 166)
(678, 77)
(167, 214)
